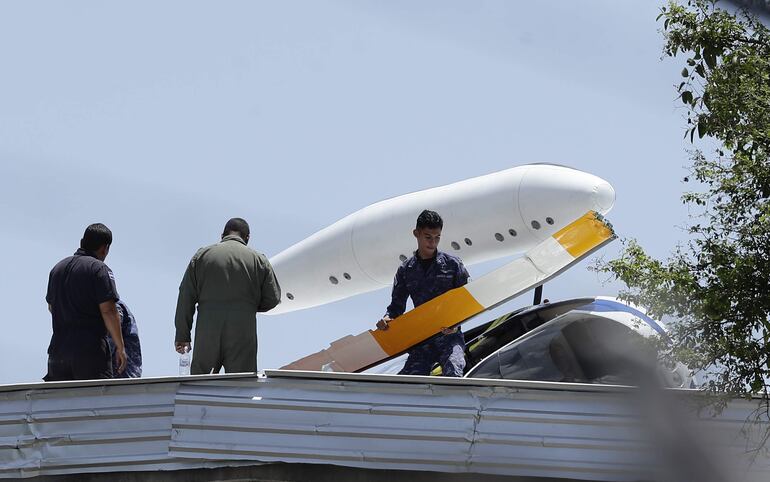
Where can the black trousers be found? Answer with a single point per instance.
(87, 358)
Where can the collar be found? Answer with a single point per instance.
(83, 252)
(437, 258)
(233, 237)
(418, 258)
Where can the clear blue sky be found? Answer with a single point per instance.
(164, 119)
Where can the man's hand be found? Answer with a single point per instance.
(383, 323)
(179, 346)
(121, 360)
(448, 331)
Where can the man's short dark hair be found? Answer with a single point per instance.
(96, 236)
(430, 220)
(237, 225)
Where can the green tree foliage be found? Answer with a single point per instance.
(716, 287)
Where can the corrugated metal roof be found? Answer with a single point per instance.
(51, 430)
(358, 420)
(452, 427)
(88, 426)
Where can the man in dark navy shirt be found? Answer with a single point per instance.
(424, 276)
(82, 300)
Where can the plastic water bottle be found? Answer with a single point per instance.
(184, 362)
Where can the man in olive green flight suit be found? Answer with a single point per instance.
(230, 283)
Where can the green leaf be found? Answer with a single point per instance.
(685, 72)
(702, 130)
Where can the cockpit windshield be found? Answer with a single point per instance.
(576, 347)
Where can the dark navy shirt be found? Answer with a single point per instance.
(131, 341)
(76, 287)
(424, 281)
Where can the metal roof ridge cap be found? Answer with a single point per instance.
(450, 381)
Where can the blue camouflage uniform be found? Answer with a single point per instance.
(423, 280)
(131, 341)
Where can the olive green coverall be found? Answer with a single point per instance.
(230, 283)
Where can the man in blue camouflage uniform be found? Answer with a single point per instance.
(424, 276)
(130, 340)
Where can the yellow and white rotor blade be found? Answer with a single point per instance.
(541, 263)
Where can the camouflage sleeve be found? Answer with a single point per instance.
(461, 276)
(398, 295)
(131, 341)
(270, 289)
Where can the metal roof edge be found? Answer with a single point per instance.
(432, 380)
(122, 381)
(342, 376)
(470, 382)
